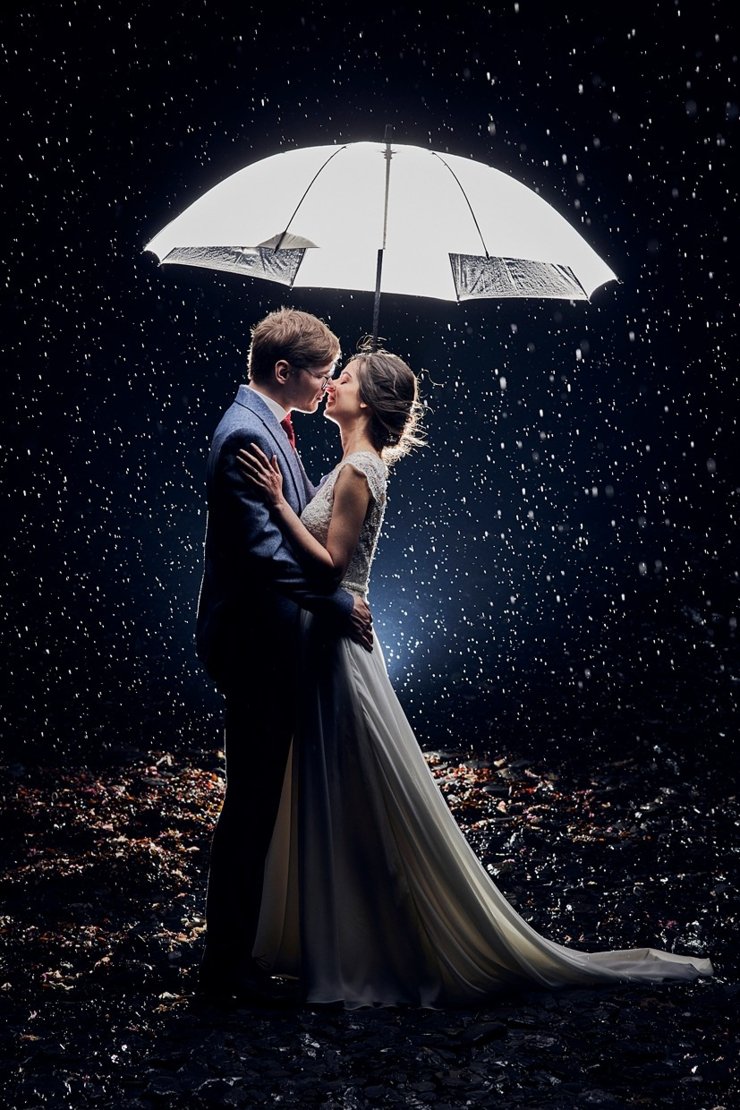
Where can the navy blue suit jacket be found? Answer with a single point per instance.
(253, 586)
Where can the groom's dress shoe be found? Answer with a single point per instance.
(279, 993)
(252, 987)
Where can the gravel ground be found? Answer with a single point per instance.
(103, 894)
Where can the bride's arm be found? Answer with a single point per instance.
(351, 498)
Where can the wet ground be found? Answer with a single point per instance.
(101, 930)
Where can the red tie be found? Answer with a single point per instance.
(287, 425)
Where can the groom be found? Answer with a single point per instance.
(248, 630)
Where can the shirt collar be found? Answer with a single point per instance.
(275, 408)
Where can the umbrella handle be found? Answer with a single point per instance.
(376, 303)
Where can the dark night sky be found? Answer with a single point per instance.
(544, 525)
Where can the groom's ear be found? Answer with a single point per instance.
(281, 371)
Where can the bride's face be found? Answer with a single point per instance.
(343, 395)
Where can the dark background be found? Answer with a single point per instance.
(558, 566)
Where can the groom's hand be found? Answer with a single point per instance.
(361, 624)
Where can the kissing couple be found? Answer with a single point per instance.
(337, 872)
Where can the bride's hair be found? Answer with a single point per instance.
(390, 390)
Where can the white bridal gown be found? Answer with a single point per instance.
(373, 895)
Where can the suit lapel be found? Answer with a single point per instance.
(308, 484)
(292, 464)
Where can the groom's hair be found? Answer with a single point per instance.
(299, 338)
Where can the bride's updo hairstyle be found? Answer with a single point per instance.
(390, 390)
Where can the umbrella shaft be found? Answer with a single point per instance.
(379, 270)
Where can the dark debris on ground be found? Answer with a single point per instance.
(102, 926)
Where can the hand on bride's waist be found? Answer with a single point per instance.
(360, 621)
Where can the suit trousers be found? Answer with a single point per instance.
(259, 726)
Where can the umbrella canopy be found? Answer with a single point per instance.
(446, 227)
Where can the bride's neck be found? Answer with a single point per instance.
(356, 438)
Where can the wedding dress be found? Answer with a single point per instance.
(372, 894)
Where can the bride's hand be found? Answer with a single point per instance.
(263, 472)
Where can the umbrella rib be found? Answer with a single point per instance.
(308, 189)
(470, 207)
(569, 273)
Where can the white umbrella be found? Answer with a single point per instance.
(384, 217)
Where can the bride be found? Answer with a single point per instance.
(372, 894)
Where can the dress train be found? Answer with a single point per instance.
(373, 895)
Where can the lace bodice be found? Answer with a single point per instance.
(317, 515)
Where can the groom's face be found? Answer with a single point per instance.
(304, 389)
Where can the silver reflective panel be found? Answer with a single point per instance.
(476, 276)
(259, 262)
